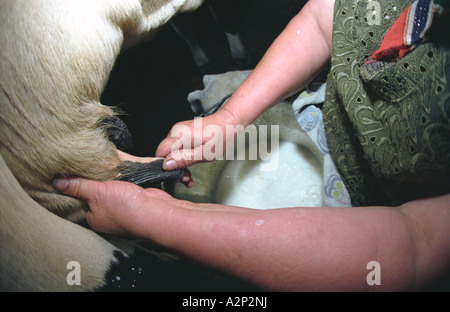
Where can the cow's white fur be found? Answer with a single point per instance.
(55, 59)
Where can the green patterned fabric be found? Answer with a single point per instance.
(387, 124)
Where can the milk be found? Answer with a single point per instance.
(295, 182)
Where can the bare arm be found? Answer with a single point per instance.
(284, 249)
(291, 62)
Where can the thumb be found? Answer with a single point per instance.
(77, 187)
(105, 200)
(184, 158)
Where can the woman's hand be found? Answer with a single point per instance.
(198, 140)
(116, 207)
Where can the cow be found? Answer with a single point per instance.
(55, 59)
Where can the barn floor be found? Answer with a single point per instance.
(151, 82)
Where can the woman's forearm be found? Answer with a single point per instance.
(295, 57)
(282, 249)
(290, 249)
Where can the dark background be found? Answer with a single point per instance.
(150, 82)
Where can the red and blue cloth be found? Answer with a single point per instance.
(408, 31)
